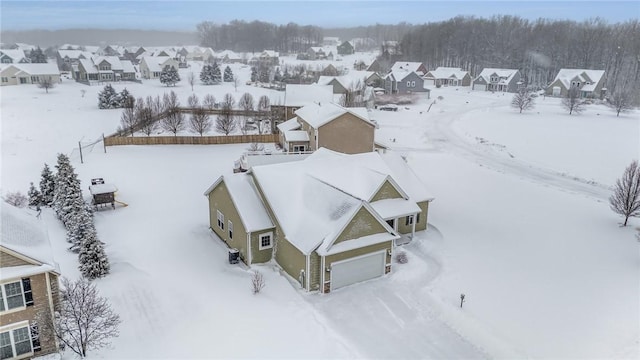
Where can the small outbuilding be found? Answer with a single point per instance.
(102, 193)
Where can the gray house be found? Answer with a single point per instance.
(501, 80)
(404, 82)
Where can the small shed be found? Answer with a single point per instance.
(102, 193)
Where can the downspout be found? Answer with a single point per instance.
(50, 296)
(413, 225)
(322, 277)
(307, 275)
(249, 249)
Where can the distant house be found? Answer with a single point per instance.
(69, 59)
(334, 218)
(151, 66)
(328, 125)
(330, 41)
(590, 82)
(376, 66)
(390, 48)
(111, 50)
(360, 83)
(28, 285)
(269, 57)
(360, 65)
(105, 68)
(448, 76)
(228, 57)
(15, 56)
(319, 53)
(404, 81)
(346, 48)
(501, 80)
(416, 67)
(21, 74)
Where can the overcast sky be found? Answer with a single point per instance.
(184, 15)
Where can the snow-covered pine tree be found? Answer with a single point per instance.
(115, 102)
(67, 188)
(47, 185)
(169, 76)
(80, 225)
(216, 75)
(205, 75)
(264, 74)
(37, 56)
(93, 260)
(228, 74)
(277, 77)
(105, 96)
(254, 74)
(35, 198)
(126, 99)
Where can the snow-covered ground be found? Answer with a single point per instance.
(520, 224)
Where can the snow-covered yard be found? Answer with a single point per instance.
(518, 225)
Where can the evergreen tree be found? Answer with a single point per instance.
(254, 74)
(47, 185)
(264, 74)
(80, 225)
(67, 189)
(37, 56)
(216, 75)
(126, 99)
(206, 75)
(228, 74)
(169, 76)
(93, 260)
(277, 77)
(35, 198)
(105, 97)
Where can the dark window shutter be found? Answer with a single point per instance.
(28, 294)
(406, 221)
(418, 218)
(35, 337)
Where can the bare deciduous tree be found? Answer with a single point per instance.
(353, 96)
(246, 104)
(626, 193)
(147, 114)
(200, 121)
(225, 123)
(257, 282)
(193, 101)
(84, 321)
(572, 101)
(16, 199)
(191, 79)
(173, 120)
(256, 147)
(523, 100)
(128, 119)
(46, 84)
(264, 108)
(236, 82)
(623, 98)
(209, 101)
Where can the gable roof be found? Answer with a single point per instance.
(37, 68)
(408, 66)
(291, 124)
(74, 54)
(23, 234)
(565, 76)
(88, 66)
(114, 61)
(507, 74)
(348, 80)
(15, 54)
(320, 114)
(447, 73)
(301, 95)
(313, 202)
(250, 208)
(154, 63)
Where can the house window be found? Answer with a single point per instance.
(15, 342)
(23, 80)
(220, 220)
(230, 230)
(408, 220)
(408, 83)
(266, 241)
(12, 296)
(413, 84)
(5, 79)
(299, 148)
(105, 67)
(494, 79)
(35, 79)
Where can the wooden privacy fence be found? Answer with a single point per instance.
(190, 140)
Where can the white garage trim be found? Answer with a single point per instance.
(358, 268)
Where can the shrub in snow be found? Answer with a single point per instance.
(84, 320)
(523, 100)
(626, 193)
(256, 147)
(257, 282)
(16, 199)
(401, 257)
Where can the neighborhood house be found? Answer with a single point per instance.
(501, 80)
(590, 83)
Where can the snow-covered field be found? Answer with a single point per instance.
(520, 224)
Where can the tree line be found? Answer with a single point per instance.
(539, 48)
(255, 36)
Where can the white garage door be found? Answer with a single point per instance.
(358, 269)
(481, 87)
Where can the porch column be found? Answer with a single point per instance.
(413, 225)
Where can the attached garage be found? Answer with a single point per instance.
(480, 87)
(357, 269)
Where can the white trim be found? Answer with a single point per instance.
(220, 218)
(230, 229)
(3, 298)
(15, 326)
(384, 263)
(270, 234)
(323, 272)
(50, 296)
(249, 253)
(307, 273)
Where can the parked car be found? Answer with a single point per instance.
(388, 107)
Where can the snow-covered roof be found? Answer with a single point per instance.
(88, 66)
(313, 201)
(228, 54)
(92, 49)
(301, 95)
(270, 53)
(353, 244)
(114, 61)
(155, 63)
(243, 193)
(102, 189)
(394, 208)
(582, 75)
(296, 135)
(505, 75)
(448, 73)
(317, 115)
(74, 54)
(350, 80)
(38, 69)
(407, 66)
(589, 87)
(127, 66)
(23, 233)
(15, 54)
(291, 124)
